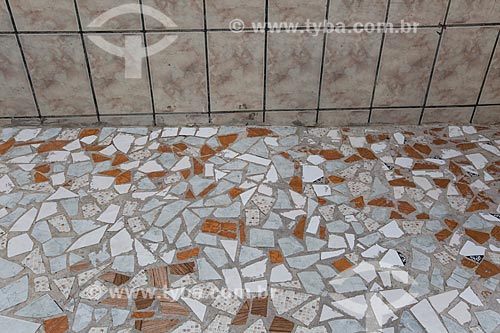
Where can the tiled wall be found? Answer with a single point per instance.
(449, 71)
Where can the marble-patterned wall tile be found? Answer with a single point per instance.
(237, 118)
(186, 14)
(5, 24)
(405, 68)
(91, 9)
(423, 12)
(297, 11)
(16, 98)
(115, 93)
(461, 65)
(353, 11)
(76, 121)
(293, 70)
(184, 119)
(349, 70)
(129, 120)
(491, 91)
(179, 74)
(487, 115)
(474, 11)
(396, 116)
(59, 74)
(343, 117)
(221, 12)
(295, 118)
(50, 15)
(236, 70)
(459, 115)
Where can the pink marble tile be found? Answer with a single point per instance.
(5, 24)
(343, 117)
(297, 11)
(424, 12)
(487, 115)
(491, 91)
(236, 70)
(405, 68)
(461, 65)
(447, 115)
(237, 118)
(129, 120)
(186, 14)
(476, 11)
(349, 70)
(16, 98)
(221, 12)
(179, 75)
(115, 93)
(295, 118)
(91, 9)
(396, 116)
(184, 119)
(59, 74)
(50, 15)
(293, 70)
(363, 11)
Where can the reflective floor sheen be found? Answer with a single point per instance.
(239, 229)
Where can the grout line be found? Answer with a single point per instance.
(264, 94)
(379, 61)
(25, 62)
(207, 66)
(485, 77)
(434, 63)
(150, 79)
(87, 62)
(322, 66)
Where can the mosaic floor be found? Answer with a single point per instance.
(251, 230)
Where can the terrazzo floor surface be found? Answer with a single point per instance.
(234, 229)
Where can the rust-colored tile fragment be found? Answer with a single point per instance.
(189, 194)
(451, 224)
(234, 192)
(115, 278)
(39, 178)
(373, 138)
(242, 315)
(119, 299)
(353, 158)
(99, 158)
(81, 266)
(342, 264)
(381, 202)
(243, 234)
(366, 153)
(405, 207)
(124, 178)
(211, 226)
(185, 255)
(455, 169)
(300, 228)
(276, 257)
(395, 215)
(228, 234)
(198, 167)
(226, 140)
(478, 236)
(321, 201)
(495, 232)
(179, 147)
(89, 132)
(296, 184)
(142, 315)
(411, 152)
(255, 132)
(281, 325)
(186, 173)
(468, 263)
(182, 269)
(156, 325)
(336, 179)
(54, 325)
(423, 216)
(358, 202)
(143, 300)
(170, 307)
(442, 182)
(164, 149)
(443, 234)
(52, 145)
(331, 154)
(207, 190)
(206, 152)
(4, 147)
(119, 159)
(158, 277)
(466, 146)
(476, 205)
(322, 232)
(439, 142)
(259, 306)
(402, 182)
(157, 174)
(487, 269)
(424, 149)
(110, 173)
(44, 168)
(464, 190)
(425, 166)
